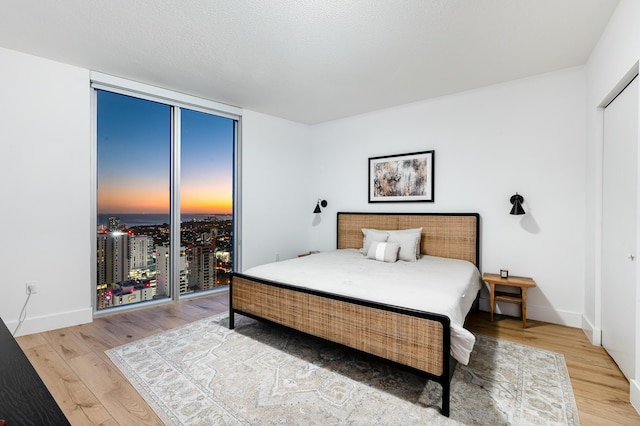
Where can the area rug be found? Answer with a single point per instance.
(261, 374)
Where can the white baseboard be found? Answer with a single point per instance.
(634, 395)
(52, 322)
(593, 334)
(534, 312)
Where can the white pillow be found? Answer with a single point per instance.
(383, 252)
(409, 246)
(371, 235)
(409, 240)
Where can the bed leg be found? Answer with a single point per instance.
(446, 394)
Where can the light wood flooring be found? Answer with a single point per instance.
(90, 389)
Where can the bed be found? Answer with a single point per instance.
(405, 334)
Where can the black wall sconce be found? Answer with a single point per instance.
(517, 201)
(322, 203)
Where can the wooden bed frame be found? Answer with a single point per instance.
(414, 339)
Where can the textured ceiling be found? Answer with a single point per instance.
(315, 60)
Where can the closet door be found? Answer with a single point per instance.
(619, 223)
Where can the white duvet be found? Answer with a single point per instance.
(431, 284)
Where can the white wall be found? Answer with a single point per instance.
(616, 54)
(277, 200)
(44, 170)
(526, 136)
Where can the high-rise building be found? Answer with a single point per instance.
(202, 262)
(113, 224)
(163, 277)
(112, 258)
(141, 251)
(202, 268)
(112, 255)
(142, 266)
(162, 270)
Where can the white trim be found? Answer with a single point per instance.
(593, 334)
(622, 84)
(55, 321)
(597, 261)
(534, 312)
(634, 394)
(555, 316)
(154, 93)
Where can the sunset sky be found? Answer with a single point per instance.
(134, 157)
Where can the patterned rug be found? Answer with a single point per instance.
(205, 374)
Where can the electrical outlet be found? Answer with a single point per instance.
(31, 287)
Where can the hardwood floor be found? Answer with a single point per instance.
(90, 389)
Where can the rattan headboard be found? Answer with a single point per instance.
(453, 235)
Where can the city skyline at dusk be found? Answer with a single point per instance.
(134, 138)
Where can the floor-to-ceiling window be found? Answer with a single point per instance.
(206, 185)
(133, 199)
(164, 199)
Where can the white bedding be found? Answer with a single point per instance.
(431, 284)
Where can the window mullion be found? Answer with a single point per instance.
(176, 260)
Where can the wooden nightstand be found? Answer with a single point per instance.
(523, 283)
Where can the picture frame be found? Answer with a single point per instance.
(402, 178)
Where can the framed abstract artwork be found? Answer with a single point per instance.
(401, 178)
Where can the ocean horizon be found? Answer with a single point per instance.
(147, 219)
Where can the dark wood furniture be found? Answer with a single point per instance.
(521, 283)
(24, 399)
(414, 339)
